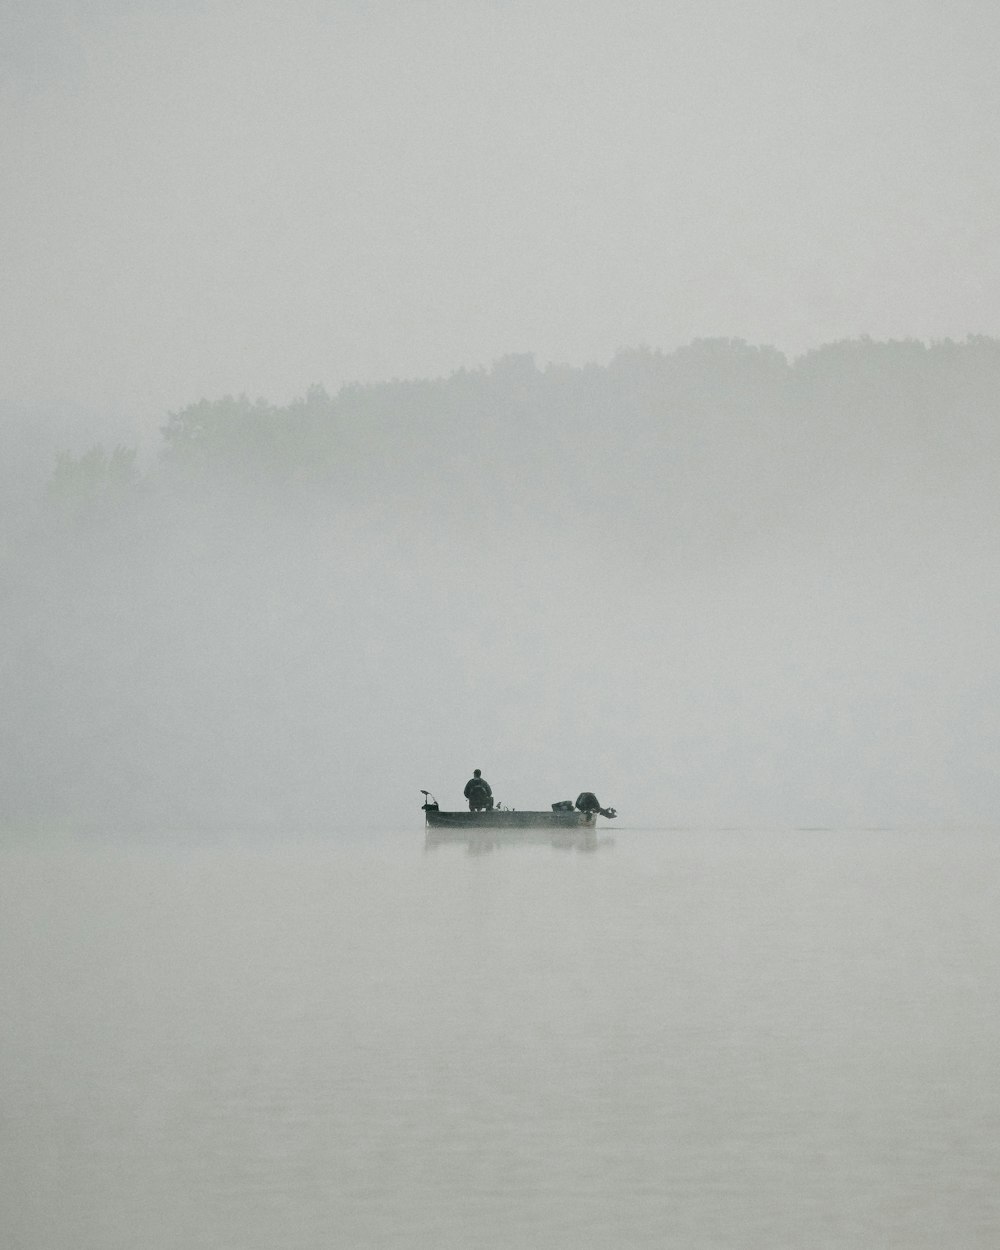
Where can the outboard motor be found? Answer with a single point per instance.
(588, 802)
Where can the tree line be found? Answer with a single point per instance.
(714, 428)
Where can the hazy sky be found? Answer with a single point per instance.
(242, 196)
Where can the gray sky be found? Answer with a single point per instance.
(210, 197)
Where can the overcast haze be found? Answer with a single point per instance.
(202, 198)
(691, 497)
(602, 395)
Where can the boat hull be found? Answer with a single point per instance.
(469, 822)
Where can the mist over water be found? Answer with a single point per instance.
(712, 586)
(603, 396)
(744, 574)
(711, 1040)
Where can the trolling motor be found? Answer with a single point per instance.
(430, 802)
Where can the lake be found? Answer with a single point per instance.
(669, 1038)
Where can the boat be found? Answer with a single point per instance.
(562, 815)
(504, 818)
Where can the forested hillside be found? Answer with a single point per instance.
(709, 584)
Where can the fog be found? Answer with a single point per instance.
(711, 585)
(744, 574)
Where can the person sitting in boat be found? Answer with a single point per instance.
(478, 792)
(588, 802)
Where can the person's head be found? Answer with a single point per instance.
(476, 772)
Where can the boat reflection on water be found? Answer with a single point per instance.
(481, 841)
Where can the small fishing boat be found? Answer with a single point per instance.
(562, 815)
(501, 818)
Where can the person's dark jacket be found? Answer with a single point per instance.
(478, 787)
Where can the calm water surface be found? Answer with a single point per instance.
(712, 1039)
